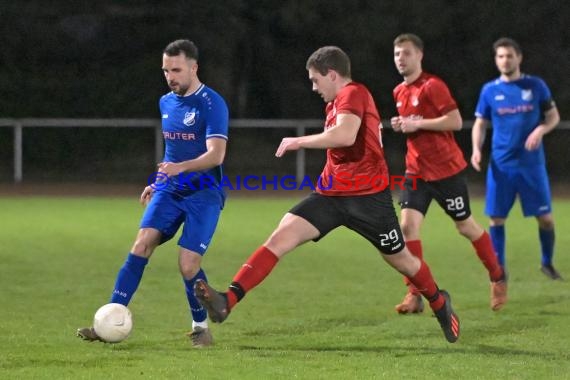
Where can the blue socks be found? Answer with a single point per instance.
(128, 279)
(546, 245)
(130, 275)
(498, 237)
(199, 314)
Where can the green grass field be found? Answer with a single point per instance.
(326, 312)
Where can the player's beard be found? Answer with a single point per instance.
(406, 71)
(509, 72)
(179, 89)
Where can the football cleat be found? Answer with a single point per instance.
(550, 272)
(498, 294)
(447, 319)
(216, 303)
(88, 334)
(412, 303)
(200, 337)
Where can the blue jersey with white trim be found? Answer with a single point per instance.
(515, 109)
(188, 121)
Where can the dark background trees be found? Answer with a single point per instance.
(102, 59)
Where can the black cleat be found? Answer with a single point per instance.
(550, 272)
(447, 319)
(200, 337)
(88, 334)
(215, 302)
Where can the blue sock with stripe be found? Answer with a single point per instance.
(128, 279)
(199, 314)
(546, 245)
(498, 237)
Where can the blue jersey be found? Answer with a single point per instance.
(187, 122)
(515, 109)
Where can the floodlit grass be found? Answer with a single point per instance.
(326, 312)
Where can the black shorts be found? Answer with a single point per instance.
(451, 193)
(372, 216)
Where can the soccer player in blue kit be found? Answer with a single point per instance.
(195, 128)
(521, 110)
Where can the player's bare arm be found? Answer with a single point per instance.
(341, 135)
(477, 139)
(214, 156)
(551, 120)
(451, 121)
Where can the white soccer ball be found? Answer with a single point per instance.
(113, 322)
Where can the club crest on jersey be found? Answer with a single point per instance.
(526, 95)
(190, 117)
(415, 101)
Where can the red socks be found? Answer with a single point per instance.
(255, 269)
(484, 248)
(425, 284)
(415, 247)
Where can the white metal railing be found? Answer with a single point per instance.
(300, 126)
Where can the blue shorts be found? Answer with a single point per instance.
(199, 211)
(530, 183)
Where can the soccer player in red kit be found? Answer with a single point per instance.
(428, 115)
(352, 139)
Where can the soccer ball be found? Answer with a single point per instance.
(113, 322)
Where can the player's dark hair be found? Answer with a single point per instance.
(507, 42)
(330, 58)
(186, 47)
(410, 37)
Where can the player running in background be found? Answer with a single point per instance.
(428, 115)
(195, 127)
(353, 143)
(521, 110)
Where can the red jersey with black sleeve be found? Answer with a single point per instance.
(433, 155)
(358, 169)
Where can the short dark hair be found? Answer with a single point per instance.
(507, 42)
(413, 38)
(330, 58)
(177, 47)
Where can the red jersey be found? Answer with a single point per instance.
(433, 155)
(358, 169)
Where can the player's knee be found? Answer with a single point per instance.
(410, 230)
(469, 228)
(404, 262)
(493, 222)
(189, 265)
(546, 222)
(280, 242)
(143, 247)
(147, 240)
(189, 270)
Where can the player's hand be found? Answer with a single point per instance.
(534, 139)
(409, 125)
(170, 168)
(396, 123)
(288, 143)
(476, 161)
(146, 195)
